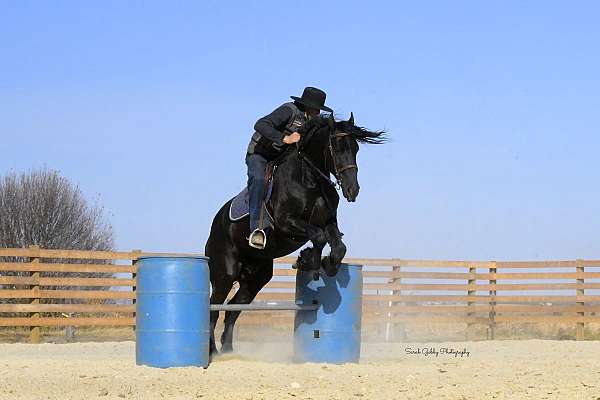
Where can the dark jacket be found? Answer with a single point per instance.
(267, 139)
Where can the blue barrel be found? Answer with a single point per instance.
(172, 311)
(331, 334)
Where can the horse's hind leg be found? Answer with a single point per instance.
(250, 285)
(221, 286)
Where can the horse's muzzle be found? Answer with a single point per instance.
(351, 193)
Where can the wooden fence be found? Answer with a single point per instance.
(396, 292)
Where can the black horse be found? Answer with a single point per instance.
(303, 206)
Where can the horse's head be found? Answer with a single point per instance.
(335, 143)
(343, 143)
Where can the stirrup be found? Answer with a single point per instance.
(254, 236)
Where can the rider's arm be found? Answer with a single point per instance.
(271, 126)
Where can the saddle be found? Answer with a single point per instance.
(240, 205)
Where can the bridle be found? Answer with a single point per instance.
(337, 170)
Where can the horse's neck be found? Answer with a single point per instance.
(318, 153)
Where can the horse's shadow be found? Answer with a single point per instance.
(327, 288)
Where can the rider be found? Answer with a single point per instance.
(272, 134)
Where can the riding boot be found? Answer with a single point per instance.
(256, 177)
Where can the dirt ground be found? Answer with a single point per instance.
(524, 369)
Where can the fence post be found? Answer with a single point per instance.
(396, 325)
(470, 294)
(492, 314)
(134, 259)
(34, 331)
(579, 335)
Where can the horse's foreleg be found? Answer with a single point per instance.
(310, 258)
(338, 249)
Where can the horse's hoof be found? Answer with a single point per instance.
(302, 265)
(212, 354)
(226, 348)
(329, 269)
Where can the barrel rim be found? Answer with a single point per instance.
(350, 265)
(175, 258)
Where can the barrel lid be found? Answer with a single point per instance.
(359, 266)
(167, 257)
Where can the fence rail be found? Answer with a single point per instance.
(396, 291)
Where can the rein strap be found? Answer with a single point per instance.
(338, 171)
(314, 168)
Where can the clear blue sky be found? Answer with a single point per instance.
(493, 109)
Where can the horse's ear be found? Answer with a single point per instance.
(331, 121)
(351, 120)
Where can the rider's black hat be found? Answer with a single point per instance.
(313, 98)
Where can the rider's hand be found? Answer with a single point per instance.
(293, 138)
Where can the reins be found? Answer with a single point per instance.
(337, 171)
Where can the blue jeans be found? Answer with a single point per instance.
(257, 166)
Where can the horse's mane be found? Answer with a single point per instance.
(314, 123)
(310, 128)
(362, 135)
(359, 133)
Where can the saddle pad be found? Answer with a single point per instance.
(240, 206)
